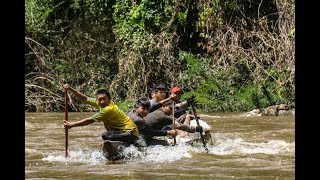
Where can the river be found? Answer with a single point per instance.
(256, 147)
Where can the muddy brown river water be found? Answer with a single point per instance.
(260, 147)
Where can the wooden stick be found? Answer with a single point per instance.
(197, 120)
(66, 118)
(173, 122)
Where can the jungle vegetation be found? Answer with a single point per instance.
(233, 55)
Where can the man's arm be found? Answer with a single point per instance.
(188, 128)
(181, 106)
(82, 122)
(77, 93)
(154, 132)
(185, 104)
(159, 104)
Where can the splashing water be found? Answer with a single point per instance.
(245, 148)
(160, 154)
(238, 146)
(93, 157)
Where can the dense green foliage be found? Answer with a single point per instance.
(233, 55)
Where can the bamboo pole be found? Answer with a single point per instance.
(66, 118)
(173, 122)
(197, 120)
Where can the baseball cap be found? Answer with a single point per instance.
(176, 89)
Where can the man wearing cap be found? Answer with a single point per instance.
(180, 107)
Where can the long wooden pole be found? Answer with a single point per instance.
(66, 118)
(197, 120)
(173, 121)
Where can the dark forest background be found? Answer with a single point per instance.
(233, 55)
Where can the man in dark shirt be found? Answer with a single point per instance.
(160, 119)
(181, 113)
(158, 94)
(142, 108)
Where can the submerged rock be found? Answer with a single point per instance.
(275, 110)
(255, 112)
(271, 111)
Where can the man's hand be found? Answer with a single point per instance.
(67, 124)
(173, 96)
(172, 132)
(176, 125)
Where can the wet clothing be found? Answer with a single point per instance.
(180, 108)
(182, 118)
(154, 105)
(159, 120)
(157, 142)
(120, 127)
(156, 120)
(125, 137)
(152, 102)
(145, 131)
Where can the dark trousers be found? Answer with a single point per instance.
(182, 118)
(125, 137)
(151, 142)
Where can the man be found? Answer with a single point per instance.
(141, 109)
(158, 94)
(161, 119)
(180, 107)
(119, 126)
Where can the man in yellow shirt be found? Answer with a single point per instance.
(119, 126)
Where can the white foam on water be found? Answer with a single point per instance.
(132, 154)
(28, 125)
(160, 153)
(31, 151)
(238, 146)
(87, 157)
(167, 154)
